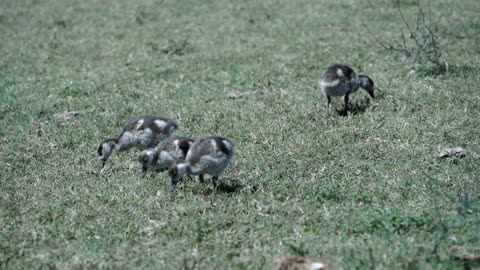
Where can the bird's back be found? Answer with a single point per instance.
(147, 131)
(340, 72)
(177, 146)
(158, 125)
(214, 149)
(337, 80)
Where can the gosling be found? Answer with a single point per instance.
(341, 80)
(140, 132)
(209, 155)
(299, 263)
(167, 153)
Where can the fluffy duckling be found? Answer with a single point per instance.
(167, 153)
(209, 155)
(299, 263)
(341, 80)
(140, 132)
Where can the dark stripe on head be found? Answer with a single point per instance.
(142, 157)
(222, 145)
(184, 145)
(112, 143)
(370, 81)
(170, 127)
(100, 150)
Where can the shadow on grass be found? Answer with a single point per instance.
(464, 71)
(230, 188)
(227, 186)
(356, 108)
(468, 263)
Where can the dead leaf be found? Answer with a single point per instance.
(298, 262)
(234, 95)
(66, 115)
(453, 152)
(453, 238)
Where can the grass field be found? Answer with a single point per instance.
(364, 190)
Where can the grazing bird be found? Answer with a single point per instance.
(167, 153)
(341, 80)
(299, 263)
(208, 155)
(140, 132)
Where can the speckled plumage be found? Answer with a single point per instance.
(341, 80)
(140, 132)
(208, 155)
(167, 153)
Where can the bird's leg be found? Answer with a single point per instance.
(143, 172)
(328, 103)
(200, 178)
(345, 99)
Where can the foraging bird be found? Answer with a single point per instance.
(208, 155)
(341, 80)
(167, 153)
(140, 132)
(299, 263)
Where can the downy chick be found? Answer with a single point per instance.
(140, 132)
(209, 155)
(167, 153)
(341, 80)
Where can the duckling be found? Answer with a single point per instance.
(208, 155)
(168, 152)
(140, 132)
(341, 80)
(299, 263)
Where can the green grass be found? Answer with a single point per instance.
(362, 191)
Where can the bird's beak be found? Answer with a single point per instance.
(103, 163)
